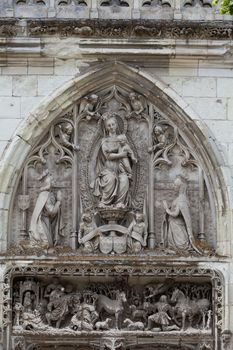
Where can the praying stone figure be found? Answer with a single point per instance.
(177, 234)
(111, 185)
(46, 227)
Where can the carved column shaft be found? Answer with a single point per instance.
(201, 206)
(75, 186)
(151, 236)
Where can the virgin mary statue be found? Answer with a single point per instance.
(111, 184)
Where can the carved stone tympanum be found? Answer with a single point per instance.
(110, 177)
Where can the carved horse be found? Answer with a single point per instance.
(189, 308)
(112, 307)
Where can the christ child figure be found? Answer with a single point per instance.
(125, 166)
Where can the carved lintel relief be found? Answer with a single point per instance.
(124, 306)
(114, 176)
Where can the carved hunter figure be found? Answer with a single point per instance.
(177, 234)
(163, 315)
(46, 227)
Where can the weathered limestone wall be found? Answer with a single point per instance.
(205, 85)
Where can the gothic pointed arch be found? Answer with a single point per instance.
(136, 92)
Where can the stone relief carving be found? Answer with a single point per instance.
(115, 305)
(46, 227)
(98, 307)
(177, 232)
(101, 179)
(140, 28)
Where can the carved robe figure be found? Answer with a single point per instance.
(177, 234)
(28, 302)
(58, 307)
(88, 234)
(46, 227)
(112, 181)
(137, 233)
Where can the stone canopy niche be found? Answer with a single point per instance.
(112, 221)
(113, 176)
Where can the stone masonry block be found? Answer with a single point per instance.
(5, 86)
(48, 84)
(181, 71)
(14, 70)
(7, 128)
(65, 67)
(230, 108)
(225, 87)
(221, 130)
(28, 104)
(25, 86)
(175, 83)
(196, 87)
(209, 108)
(10, 107)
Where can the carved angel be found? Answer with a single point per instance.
(65, 133)
(138, 105)
(89, 107)
(159, 141)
